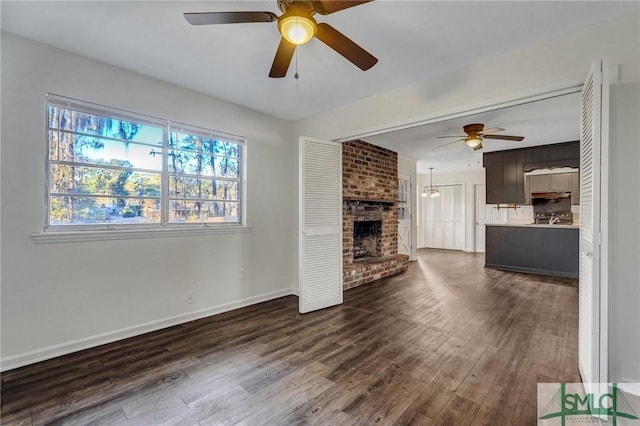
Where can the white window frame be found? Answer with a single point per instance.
(102, 231)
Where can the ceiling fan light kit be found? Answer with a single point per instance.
(473, 141)
(296, 26)
(297, 29)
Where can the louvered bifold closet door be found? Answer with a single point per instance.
(320, 224)
(592, 346)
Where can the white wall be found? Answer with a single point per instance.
(408, 167)
(558, 62)
(624, 235)
(468, 179)
(57, 298)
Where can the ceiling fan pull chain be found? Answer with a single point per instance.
(296, 76)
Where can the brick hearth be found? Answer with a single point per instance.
(370, 192)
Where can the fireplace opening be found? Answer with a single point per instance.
(366, 238)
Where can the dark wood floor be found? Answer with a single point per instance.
(447, 343)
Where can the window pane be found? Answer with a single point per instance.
(90, 149)
(188, 142)
(190, 163)
(226, 167)
(102, 210)
(98, 125)
(202, 165)
(53, 116)
(54, 144)
(99, 181)
(181, 187)
(186, 211)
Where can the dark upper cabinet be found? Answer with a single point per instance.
(494, 176)
(505, 177)
(521, 195)
(563, 151)
(505, 169)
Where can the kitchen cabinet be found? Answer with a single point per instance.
(560, 182)
(554, 182)
(505, 181)
(494, 166)
(539, 183)
(505, 177)
(575, 188)
(567, 153)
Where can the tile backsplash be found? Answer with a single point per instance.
(524, 214)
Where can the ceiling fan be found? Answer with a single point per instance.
(476, 133)
(297, 26)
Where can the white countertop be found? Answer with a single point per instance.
(533, 225)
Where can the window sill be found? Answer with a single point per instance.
(63, 236)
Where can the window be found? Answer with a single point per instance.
(111, 168)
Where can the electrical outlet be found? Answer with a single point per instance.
(243, 273)
(190, 297)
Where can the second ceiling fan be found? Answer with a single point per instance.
(476, 133)
(297, 26)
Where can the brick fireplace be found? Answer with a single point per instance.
(369, 196)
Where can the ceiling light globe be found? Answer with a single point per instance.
(297, 29)
(473, 141)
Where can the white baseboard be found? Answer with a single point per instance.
(49, 352)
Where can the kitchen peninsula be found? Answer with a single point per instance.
(540, 249)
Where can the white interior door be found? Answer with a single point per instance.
(480, 212)
(404, 214)
(320, 223)
(444, 218)
(593, 312)
(484, 213)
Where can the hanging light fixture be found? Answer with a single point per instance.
(430, 191)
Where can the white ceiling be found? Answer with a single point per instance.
(543, 122)
(413, 40)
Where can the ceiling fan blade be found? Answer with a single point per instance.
(456, 136)
(215, 18)
(479, 146)
(491, 130)
(344, 46)
(504, 137)
(325, 7)
(447, 144)
(282, 59)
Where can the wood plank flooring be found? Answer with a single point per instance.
(447, 343)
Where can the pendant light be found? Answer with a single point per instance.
(430, 191)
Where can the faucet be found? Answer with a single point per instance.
(554, 220)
